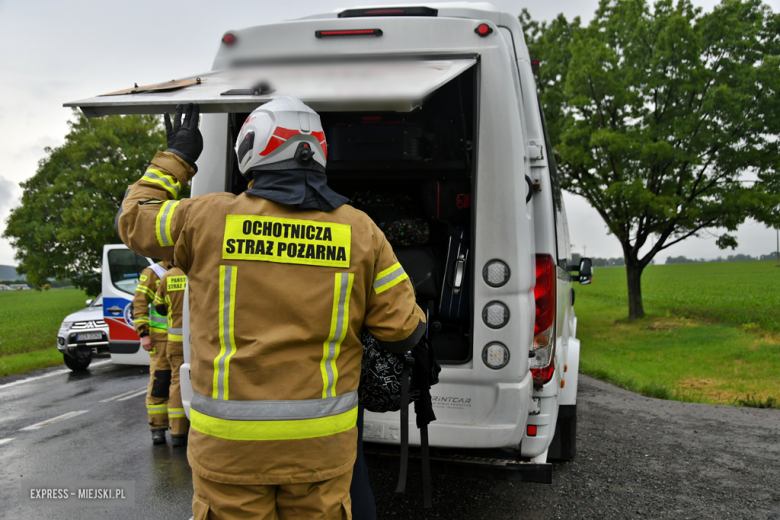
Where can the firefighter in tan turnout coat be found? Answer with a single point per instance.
(169, 302)
(151, 328)
(282, 279)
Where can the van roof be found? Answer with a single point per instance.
(470, 10)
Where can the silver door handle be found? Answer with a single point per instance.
(457, 277)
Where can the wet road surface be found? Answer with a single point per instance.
(107, 441)
(638, 458)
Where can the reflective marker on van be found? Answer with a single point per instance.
(495, 315)
(495, 356)
(496, 273)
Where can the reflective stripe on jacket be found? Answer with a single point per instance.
(145, 318)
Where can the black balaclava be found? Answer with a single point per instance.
(298, 182)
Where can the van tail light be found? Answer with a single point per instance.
(542, 366)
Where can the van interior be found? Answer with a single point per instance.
(413, 173)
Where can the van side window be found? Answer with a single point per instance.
(125, 267)
(561, 224)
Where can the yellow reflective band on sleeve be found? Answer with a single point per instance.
(169, 182)
(176, 412)
(175, 337)
(227, 340)
(158, 300)
(390, 277)
(273, 430)
(339, 323)
(287, 241)
(145, 290)
(163, 223)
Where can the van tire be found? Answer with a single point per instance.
(77, 365)
(564, 443)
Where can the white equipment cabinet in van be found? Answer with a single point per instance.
(421, 101)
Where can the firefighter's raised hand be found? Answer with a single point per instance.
(146, 343)
(184, 138)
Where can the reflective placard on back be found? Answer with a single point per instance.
(287, 241)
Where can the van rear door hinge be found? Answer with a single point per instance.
(535, 152)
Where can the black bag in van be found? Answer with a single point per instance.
(376, 141)
(393, 213)
(422, 264)
(448, 200)
(389, 382)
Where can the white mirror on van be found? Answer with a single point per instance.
(88, 303)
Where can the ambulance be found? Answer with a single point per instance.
(121, 271)
(435, 105)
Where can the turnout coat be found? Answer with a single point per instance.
(278, 297)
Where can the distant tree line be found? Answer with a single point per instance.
(730, 258)
(600, 262)
(620, 262)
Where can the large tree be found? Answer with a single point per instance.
(659, 113)
(68, 206)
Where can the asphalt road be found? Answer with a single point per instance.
(638, 458)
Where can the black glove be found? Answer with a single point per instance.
(184, 139)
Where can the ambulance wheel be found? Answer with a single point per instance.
(77, 365)
(564, 443)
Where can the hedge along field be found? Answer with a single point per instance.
(29, 321)
(710, 335)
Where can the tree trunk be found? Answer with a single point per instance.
(634, 275)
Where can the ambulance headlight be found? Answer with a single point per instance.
(496, 273)
(495, 355)
(495, 315)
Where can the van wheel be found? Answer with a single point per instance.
(77, 365)
(564, 443)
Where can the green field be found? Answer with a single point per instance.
(29, 321)
(710, 335)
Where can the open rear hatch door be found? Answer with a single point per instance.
(393, 85)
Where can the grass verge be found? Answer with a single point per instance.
(672, 356)
(29, 321)
(29, 361)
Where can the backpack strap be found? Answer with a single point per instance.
(426, 468)
(158, 270)
(408, 364)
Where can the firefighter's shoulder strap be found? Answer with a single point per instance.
(425, 374)
(158, 270)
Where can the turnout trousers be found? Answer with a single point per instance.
(326, 500)
(178, 421)
(159, 383)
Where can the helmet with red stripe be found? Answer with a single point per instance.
(283, 134)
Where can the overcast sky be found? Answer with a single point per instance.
(56, 51)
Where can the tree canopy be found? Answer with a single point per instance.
(665, 118)
(68, 206)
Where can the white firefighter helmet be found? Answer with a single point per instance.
(279, 135)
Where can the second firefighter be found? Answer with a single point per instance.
(169, 301)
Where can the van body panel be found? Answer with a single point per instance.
(346, 85)
(501, 404)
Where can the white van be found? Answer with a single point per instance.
(435, 103)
